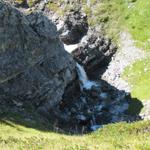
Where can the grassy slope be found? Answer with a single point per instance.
(112, 137)
(138, 76)
(138, 23)
(133, 16)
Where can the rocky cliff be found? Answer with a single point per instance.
(34, 67)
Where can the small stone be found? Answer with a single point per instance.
(95, 127)
(98, 107)
(81, 117)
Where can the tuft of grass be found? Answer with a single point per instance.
(32, 2)
(52, 6)
(19, 1)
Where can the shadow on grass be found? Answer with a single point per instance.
(135, 107)
(27, 115)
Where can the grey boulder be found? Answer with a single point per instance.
(34, 67)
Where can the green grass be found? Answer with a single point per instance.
(138, 22)
(135, 136)
(19, 133)
(110, 15)
(19, 1)
(52, 6)
(138, 76)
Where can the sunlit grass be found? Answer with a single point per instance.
(138, 76)
(111, 137)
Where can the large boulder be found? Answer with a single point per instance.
(34, 67)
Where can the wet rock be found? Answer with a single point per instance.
(104, 96)
(95, 127)
(94, 51)
(98, 108)
(81, 117)
(120, 108)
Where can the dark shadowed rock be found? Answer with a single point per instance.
(34, 66)
(76, 26)
(94, 50)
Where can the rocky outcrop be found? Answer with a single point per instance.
(95, 106)
(75, 27)
(34, 67)
(94, 50)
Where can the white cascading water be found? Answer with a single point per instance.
(70, 48)
(84, 81)
(87, 84)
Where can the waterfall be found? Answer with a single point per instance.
(70, 48)
(87, 84)
(84, 81)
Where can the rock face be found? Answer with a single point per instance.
(94, 50)
(75, 27)
(34, 66)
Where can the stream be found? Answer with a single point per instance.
(96, 104)
(85, 83)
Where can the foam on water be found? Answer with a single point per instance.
(88, 85)
(70, 48)
(60, 25)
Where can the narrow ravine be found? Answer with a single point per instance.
(96, 105)
(101, 101)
